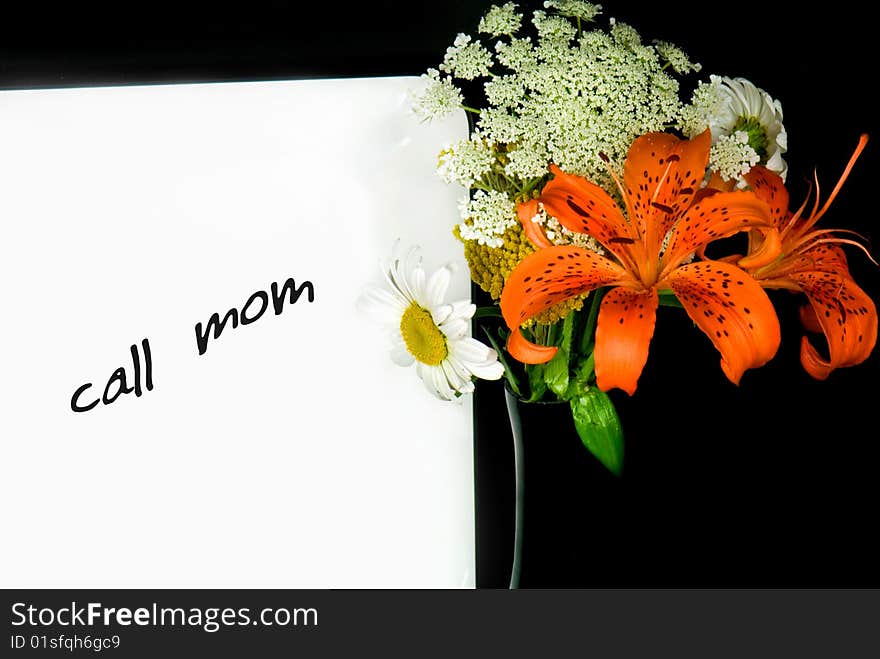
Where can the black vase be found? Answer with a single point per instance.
(561, 507)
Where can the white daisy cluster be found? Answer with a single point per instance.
(486, 216)
(439, 98)
(500, 20)
(732, 156)
(467, 59)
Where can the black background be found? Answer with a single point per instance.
(768, 484)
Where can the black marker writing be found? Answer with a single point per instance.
(252, 310)
(117, 385)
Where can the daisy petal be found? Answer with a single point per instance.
(380, 305)
(454, 329)
(437, 286)
(401, 356)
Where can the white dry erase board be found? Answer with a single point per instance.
(292, 452)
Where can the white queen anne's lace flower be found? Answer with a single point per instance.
(465, 162)
(518, 55)
(732, 156)
(439, 98)
(500, 20)
(428, 331)
(486, 216)
(554, 29)
(707, 101)
(586, 11)
(466, 59)
(676, 58)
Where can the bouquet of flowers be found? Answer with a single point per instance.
(595, 185)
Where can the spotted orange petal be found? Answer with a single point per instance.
(523, 350)
(623, 334)
(525, 211)
(661, 175)
(717, 216)
(769, 188)
(809, 319)
(733, 310)
(549, 276)
(823, 257)
(847, 317)
(584, 207)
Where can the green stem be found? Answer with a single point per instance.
(508, 373)
(467, 108)
(589, 367)
(587, 339)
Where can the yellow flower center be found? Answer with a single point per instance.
(423, 338)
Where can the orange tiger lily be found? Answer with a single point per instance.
(647, 251)
(812, 262)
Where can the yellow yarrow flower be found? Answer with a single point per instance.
(490, 267)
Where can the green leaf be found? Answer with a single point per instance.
(536, 381)
(556, 370)
(599, 428)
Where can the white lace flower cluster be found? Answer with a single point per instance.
(467, 59)
(500, 20)
(732, 156)
(676, 58)
(439, 98)
(566, 97)
(486, 217)
(465, 162)
(559, 235)
(585, 11)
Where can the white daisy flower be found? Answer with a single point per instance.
(426, 330)
(753, 111)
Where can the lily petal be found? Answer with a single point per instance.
(534, 231)
(623, 334)
(717, 216)
(661, 176)
(551, 275)
(847, 317)
(766, 244)
(584, 207)
(769, 188)
(527, 352)
(733, 310)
